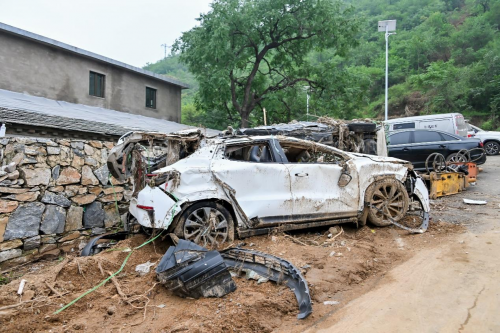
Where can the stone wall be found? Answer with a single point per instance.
(54, 195)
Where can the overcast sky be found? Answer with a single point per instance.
(125, 30)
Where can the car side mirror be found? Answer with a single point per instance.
(344, 179)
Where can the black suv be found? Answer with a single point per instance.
(416, 145)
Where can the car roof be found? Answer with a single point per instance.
(430, 116)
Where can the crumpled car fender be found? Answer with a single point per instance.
(421, 192)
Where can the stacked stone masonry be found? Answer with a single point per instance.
(54, 195)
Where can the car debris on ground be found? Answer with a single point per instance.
(190, 270)
(475, 202)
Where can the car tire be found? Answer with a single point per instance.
(362, 127)
(388, 197)
(208, 224)
(492, 148)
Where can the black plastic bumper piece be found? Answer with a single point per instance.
(189, 270)
(275, 269)
(92, 247)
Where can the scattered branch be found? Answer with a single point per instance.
(53, 289)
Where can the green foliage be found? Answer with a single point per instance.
(445, 57)
(245, 53)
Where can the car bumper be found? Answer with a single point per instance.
(153, 208)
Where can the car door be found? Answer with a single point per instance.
(399, 145)
(315, 183)
(424, 144)
(261, 185)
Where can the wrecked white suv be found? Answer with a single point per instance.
(209, 190)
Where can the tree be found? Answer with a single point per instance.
(245, 51)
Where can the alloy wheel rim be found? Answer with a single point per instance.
(388, 201)
(491, 148)
(206, 226)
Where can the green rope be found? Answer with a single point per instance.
(115, 273)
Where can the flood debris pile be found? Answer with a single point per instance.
(358, 136)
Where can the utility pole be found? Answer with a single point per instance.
(387, 26)
(165, 46)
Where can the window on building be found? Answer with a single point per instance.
(96, 84)
(150, 98)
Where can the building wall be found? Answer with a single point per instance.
(54, 195)
(29, 67)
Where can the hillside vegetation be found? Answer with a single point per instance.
(445, 57)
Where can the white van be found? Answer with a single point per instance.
(448, 122)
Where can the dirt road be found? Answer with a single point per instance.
(453, 287)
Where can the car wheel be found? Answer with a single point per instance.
(208, 224)
(456, 157)
(388, 199)
(492, 148)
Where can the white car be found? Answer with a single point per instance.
(212, 190)
(490, 139)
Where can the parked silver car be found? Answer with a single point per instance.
(491, 140)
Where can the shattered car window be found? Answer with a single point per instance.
(249, 153)
(308, 154)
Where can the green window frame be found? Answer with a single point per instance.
(96, 84)
(150, 98)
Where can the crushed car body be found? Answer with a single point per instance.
(353, 136)
(213, 189)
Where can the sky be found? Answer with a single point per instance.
(125, 30)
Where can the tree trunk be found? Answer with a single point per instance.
(244, 120)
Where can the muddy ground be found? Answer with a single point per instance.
(339, 271)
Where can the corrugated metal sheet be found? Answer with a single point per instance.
(25, 109)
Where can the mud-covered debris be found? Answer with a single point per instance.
(190, 270)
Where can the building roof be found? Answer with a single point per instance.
(87, 54)
(18, 108)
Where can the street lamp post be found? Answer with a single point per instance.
(306, 88)
(387, 26)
